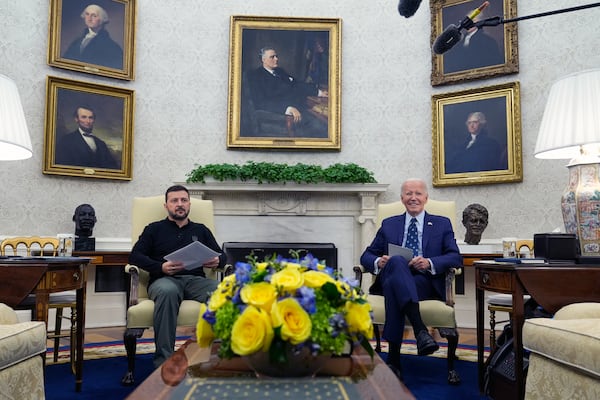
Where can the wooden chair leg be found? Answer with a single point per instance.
(130, 341)
(377, 338)
(451, 335)
(57, 330)
(492, 330)
(73, 337)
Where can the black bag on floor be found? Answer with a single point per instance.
(500, 380)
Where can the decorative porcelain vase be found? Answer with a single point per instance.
(299, 364)
(581, 206)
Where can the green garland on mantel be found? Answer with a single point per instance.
(268, 172)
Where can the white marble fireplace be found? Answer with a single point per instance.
(343, 214)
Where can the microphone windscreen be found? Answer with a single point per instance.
(448, 39)
(408, 8)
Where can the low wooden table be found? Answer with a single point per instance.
(368, 379)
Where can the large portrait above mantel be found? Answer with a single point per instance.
(482, 52)
(284, 83)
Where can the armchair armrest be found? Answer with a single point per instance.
(134, 281)
(359, 270)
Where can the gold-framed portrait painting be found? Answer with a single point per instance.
(284, 83)
(93, 37)
(89, 130)
(482, 52)
(476, 136)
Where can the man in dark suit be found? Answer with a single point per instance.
(478, 151)
(273, 89)
(95, 45)
(82, 148)
(405, 283)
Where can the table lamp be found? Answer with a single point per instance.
(570, 129)
(15, 143)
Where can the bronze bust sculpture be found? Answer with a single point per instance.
(85, 219)
(475, 220)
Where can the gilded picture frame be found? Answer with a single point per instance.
(74, 110)
(297, 107)
(476, 136)
(491, 51)
(107, 51)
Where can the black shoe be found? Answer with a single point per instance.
(425, 344)
(397, 370)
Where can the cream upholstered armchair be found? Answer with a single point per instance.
(435, 313)
(140, 310)
(22, 351)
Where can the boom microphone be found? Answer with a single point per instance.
(408, 8)
(452, 34)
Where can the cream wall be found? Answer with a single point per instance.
(181, 107)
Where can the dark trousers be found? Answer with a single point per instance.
(402, 286)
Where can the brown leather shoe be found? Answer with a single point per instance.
(425, 344)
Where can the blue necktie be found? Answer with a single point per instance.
(412, 237)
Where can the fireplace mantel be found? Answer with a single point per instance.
(344, 209)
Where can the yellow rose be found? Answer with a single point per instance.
(204, 332)
(261, 266)
(223, 293)
(343, 288)
(289, 264)
(358, 318)
(293, 319)
(251, 332)
(218, 300)
(316, 279)
(261, 294)
(288, 279)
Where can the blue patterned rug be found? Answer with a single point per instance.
(105, 364)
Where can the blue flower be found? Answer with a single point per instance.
(306, 298)
(338, 323)
(242, 272)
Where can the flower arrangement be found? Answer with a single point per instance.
(279, 304)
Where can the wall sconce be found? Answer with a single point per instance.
(570, 129)
(15, 143)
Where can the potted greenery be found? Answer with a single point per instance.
(268, 172)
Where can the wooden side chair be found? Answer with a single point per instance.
(140, 309)
(501, 302)
(435, 313)
(46, 246)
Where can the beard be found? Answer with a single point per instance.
(180, 214)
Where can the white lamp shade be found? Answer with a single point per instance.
(572, 116)
(15, 143)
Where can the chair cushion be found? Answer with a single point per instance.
(579, 311)
(502, 299)
(574, 342)
(142, 314)
(21, 341)
(434, 313)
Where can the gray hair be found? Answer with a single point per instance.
(414, 180)
(263, 50)
(101, 13)
(480, 117)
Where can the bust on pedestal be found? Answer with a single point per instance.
(85, 219)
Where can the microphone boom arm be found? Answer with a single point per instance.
(495, 21)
